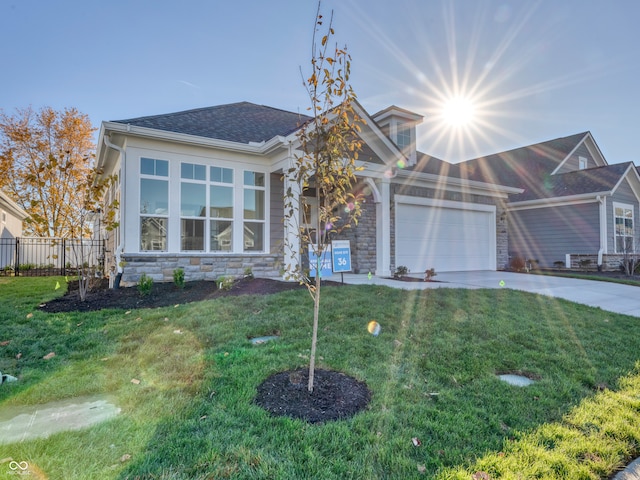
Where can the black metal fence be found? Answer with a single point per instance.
(34, 256)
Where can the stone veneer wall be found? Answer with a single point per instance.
(363, 238)
(610, 262)
(160, 268)
(502, 233)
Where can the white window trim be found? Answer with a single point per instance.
(626, 206)
(265, 222)
(141, 215)
(582, 163)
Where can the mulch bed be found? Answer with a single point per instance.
(335, 395)
(162, 294)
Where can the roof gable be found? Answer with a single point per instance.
(529, 168)
(242, 122)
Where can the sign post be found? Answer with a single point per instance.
(341, 256)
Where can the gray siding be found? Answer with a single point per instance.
(276, 210)
(548, 234)
(624, 194)
(572, 163)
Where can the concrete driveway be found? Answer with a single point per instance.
(612, 297)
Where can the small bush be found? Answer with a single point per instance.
(429, 273)
(558, 264)
(225, 283)
(178, 277)
(248, 273)
(517, 264)
(145, 284)
(400, 271)
(586, 263)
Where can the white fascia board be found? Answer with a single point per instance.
(12, 207)
(458, 184)
(636, 188)
(598, 151)
(376, 133)
(558, 201)
(564, 160)
(253, 148)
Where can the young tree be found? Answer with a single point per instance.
(45, 158)
(91, 209)
(326, 168)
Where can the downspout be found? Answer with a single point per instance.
(123, 190)
(603, 228)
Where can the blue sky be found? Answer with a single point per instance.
(535, 70)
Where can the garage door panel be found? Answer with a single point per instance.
(447, 239)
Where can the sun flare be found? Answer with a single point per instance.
(459, 111)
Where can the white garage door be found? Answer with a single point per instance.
(450, 236)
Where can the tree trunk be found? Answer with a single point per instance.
(314, 335)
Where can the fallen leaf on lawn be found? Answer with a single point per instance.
(29, 315)
(125, 457)
(481, 476)
(179, 332)
(203, 417)
(138, 319)
(5, 343)
(397, 343)
(78, 324)
(49, 356)
(127, 312)
(135, 381)
(166, 319)
(176, 305)
(104, 359)
(422, 468)
(416, 441)
(19, 356)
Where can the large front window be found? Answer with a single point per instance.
(624, 228)
(254, 211)
(221, 209)
(154, 204)
(202, 208)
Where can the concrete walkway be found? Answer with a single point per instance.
(612, 297)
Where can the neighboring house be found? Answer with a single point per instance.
(203, 190)
(11, 217)
(573, 207)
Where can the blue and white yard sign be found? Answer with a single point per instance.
(325, 262)
(341, 250)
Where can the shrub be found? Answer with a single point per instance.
(145, 284)
(400, 271)
(248, 273)
(178, 277)
(429, 273)
(558, 264)
(517, 264)
(225, 283)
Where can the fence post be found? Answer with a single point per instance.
(16, 267)
(64, 258)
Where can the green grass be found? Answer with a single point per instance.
(431, 372)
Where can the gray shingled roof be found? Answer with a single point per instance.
(241, 122)
(530, 168)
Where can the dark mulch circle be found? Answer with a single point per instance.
(335, 396)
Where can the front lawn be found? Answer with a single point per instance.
(189, 414)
